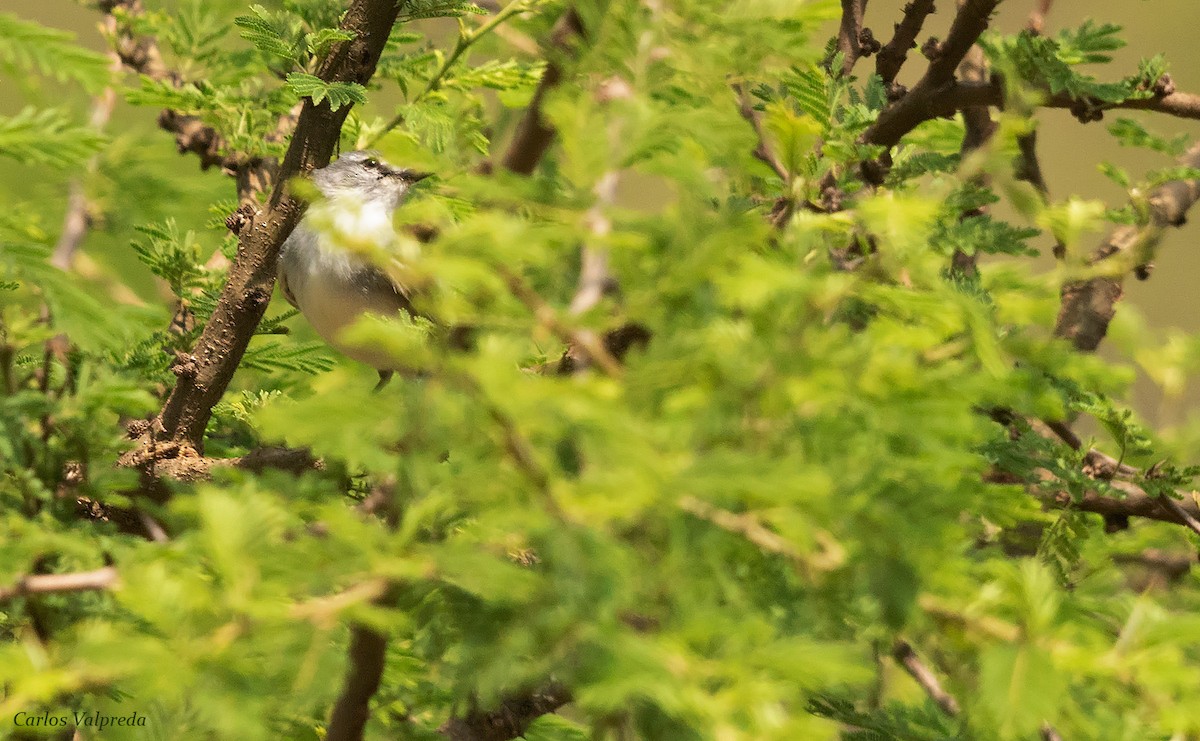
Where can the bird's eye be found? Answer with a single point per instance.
(371, 163)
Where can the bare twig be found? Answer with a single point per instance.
(763, 150)
(1037, 16)
(745, 525)
(907, 658)
(850, 34)
(1133, 502)
(893, 54)
(962, 94)
(510, 719)
(1088, 305)
(80, 581)
(534, 134)
(141, 55)
(548, 318)
(595, 280)
(76, 220)
(1182, 515)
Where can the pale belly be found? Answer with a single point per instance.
(332, 306)
(334, 290)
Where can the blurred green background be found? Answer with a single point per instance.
(1070, 153)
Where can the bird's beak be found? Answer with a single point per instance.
(415, 177)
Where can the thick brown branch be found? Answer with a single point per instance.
(510, 719)
(907, 658)
(534, 134)
(921, 103)
(893, 54)
(1134, 502)
(82, 581)
(208, 372)
(368, 648)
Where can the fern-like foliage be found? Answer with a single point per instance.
(47, 137)
(32, 47)
(1051, 62)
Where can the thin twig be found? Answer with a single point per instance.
(762, 151)
(1037, 16)
(1088, 305)
(79, 581)
(907, 658)
(548, 318)
(893, 54)
(745, 525)
(466, 39)
(1184, 516)
(76, 219)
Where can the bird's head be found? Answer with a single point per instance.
(365, 176)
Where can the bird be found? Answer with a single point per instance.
(333, 286)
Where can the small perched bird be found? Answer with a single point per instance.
(331, 285)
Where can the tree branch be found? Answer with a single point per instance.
(907, 658)
(850, 34)
(534, 134)
(368, 649)
(252, 276)
(548, 318)
(141, 55)
(964, 94)
(1089, 305)
(80, 581)
(762, 152)
(1037, 16)
(919, 104)
(894, 53)
(510, 719)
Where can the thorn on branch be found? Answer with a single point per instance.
(867, 43)
(892, 55)
(239, 218)
(932, 49)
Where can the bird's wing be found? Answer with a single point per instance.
(372, 280)
(281, 275)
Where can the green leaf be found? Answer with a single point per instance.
(31, 46)
(273, 34)
(47, 138)
(338, 93)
